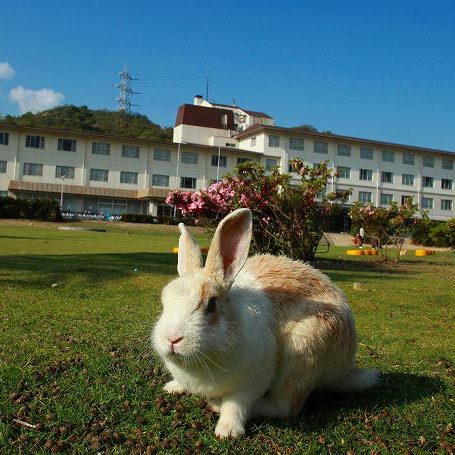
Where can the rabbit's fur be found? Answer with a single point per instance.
(278, 329)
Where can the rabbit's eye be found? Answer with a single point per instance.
(211, 305)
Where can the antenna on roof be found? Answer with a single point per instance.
(207, 88)
(233, 101)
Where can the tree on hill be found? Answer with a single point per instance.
(311, 129)
(81, 118)
(305, 127)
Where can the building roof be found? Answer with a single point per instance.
(335, 137)
(252, 113)
(208, 117)
(124, 139)
(256, 114)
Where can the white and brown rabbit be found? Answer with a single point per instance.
(253, 335)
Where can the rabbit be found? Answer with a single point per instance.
(254, 336)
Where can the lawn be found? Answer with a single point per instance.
(76, 310)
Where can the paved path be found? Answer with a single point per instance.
(343, 239)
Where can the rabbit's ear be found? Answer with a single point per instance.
(229, 248)
(190, 257)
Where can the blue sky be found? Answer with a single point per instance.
(381, 70)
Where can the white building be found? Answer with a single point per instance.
(104, 173)
(114, 174)
(376, 171)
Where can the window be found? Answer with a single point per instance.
(388, 156)
(33, 169)
(164, 210)
(295, 143)
(428, 161)
(366, 174)
(405, 199)
(387, 177)
(3, 165)
(253, 141)
(189, 157)
(386, 199)
(67, 171)
(408, 158)
(274, 141)
(344, 150)
(365, 196)
(242, 160)
(36, 142)
(270, 163)
(446, 163)
(446, 184)
(427, 182)
(4, 138)
(344, 172)
(100, 175)
(128, 177)
(321, 147)
(407, 179)
(366, 153)
(446, 204)
(160, 180)
(161, 155)
(66, 145)
(188, 182)
(230, 144)
(427, 203)
(130, 151)
(4, 193)
(223, 160)
(99, 148)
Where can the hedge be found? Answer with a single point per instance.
(434, 233)
(31, 209)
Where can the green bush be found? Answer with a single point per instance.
(444, 234)
(32, 209)
(434, 233)
(421, 231)
(137, 218)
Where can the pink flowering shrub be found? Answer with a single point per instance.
(387, 226)
(288, 217)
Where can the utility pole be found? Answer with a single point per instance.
(61, 193)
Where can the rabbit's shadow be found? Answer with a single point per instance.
(322, 407)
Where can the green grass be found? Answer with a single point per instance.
(75, 359)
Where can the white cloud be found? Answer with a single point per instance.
(35, 100)
(6, 70)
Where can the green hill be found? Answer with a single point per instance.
(81, 118)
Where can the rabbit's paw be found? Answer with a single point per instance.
(229, 429)
(174, 387)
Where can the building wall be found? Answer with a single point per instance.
(199, 135)
(377, 165)
(205, 172)
(146, 166)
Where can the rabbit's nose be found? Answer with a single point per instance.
(175, 340)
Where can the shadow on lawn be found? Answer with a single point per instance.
(91, 267)
(352, 270)
(324, 408)
(14, 237)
